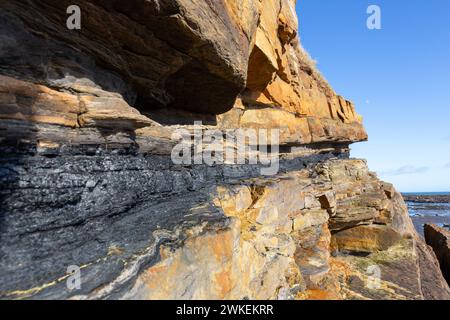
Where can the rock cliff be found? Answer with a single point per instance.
(89, 120)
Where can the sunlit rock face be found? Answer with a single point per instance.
(88, 122)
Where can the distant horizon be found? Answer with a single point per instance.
(427, 193)
(398, 78)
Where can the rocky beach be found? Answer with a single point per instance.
(428, 208)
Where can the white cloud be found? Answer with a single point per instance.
(405, 170)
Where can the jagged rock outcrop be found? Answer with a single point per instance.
(88, 122)
(279, 244)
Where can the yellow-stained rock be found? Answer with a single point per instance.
(366, 238)
(307, 219)
(23, 100)
(112, 112)
(292, 129)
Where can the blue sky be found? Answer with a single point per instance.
(398, 77)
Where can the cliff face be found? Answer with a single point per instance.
(89, 119)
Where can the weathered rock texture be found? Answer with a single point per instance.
(87, 122)
(439, 239)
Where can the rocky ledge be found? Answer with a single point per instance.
(89, 120)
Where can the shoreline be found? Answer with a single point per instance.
(438, 198)
(428, 209)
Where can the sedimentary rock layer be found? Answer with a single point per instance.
(88, 122)
(173, 61)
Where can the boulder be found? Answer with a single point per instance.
(439, 239)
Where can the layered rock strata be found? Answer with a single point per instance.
(89, 119)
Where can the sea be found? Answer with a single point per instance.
(422, 213)
(446, 193)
